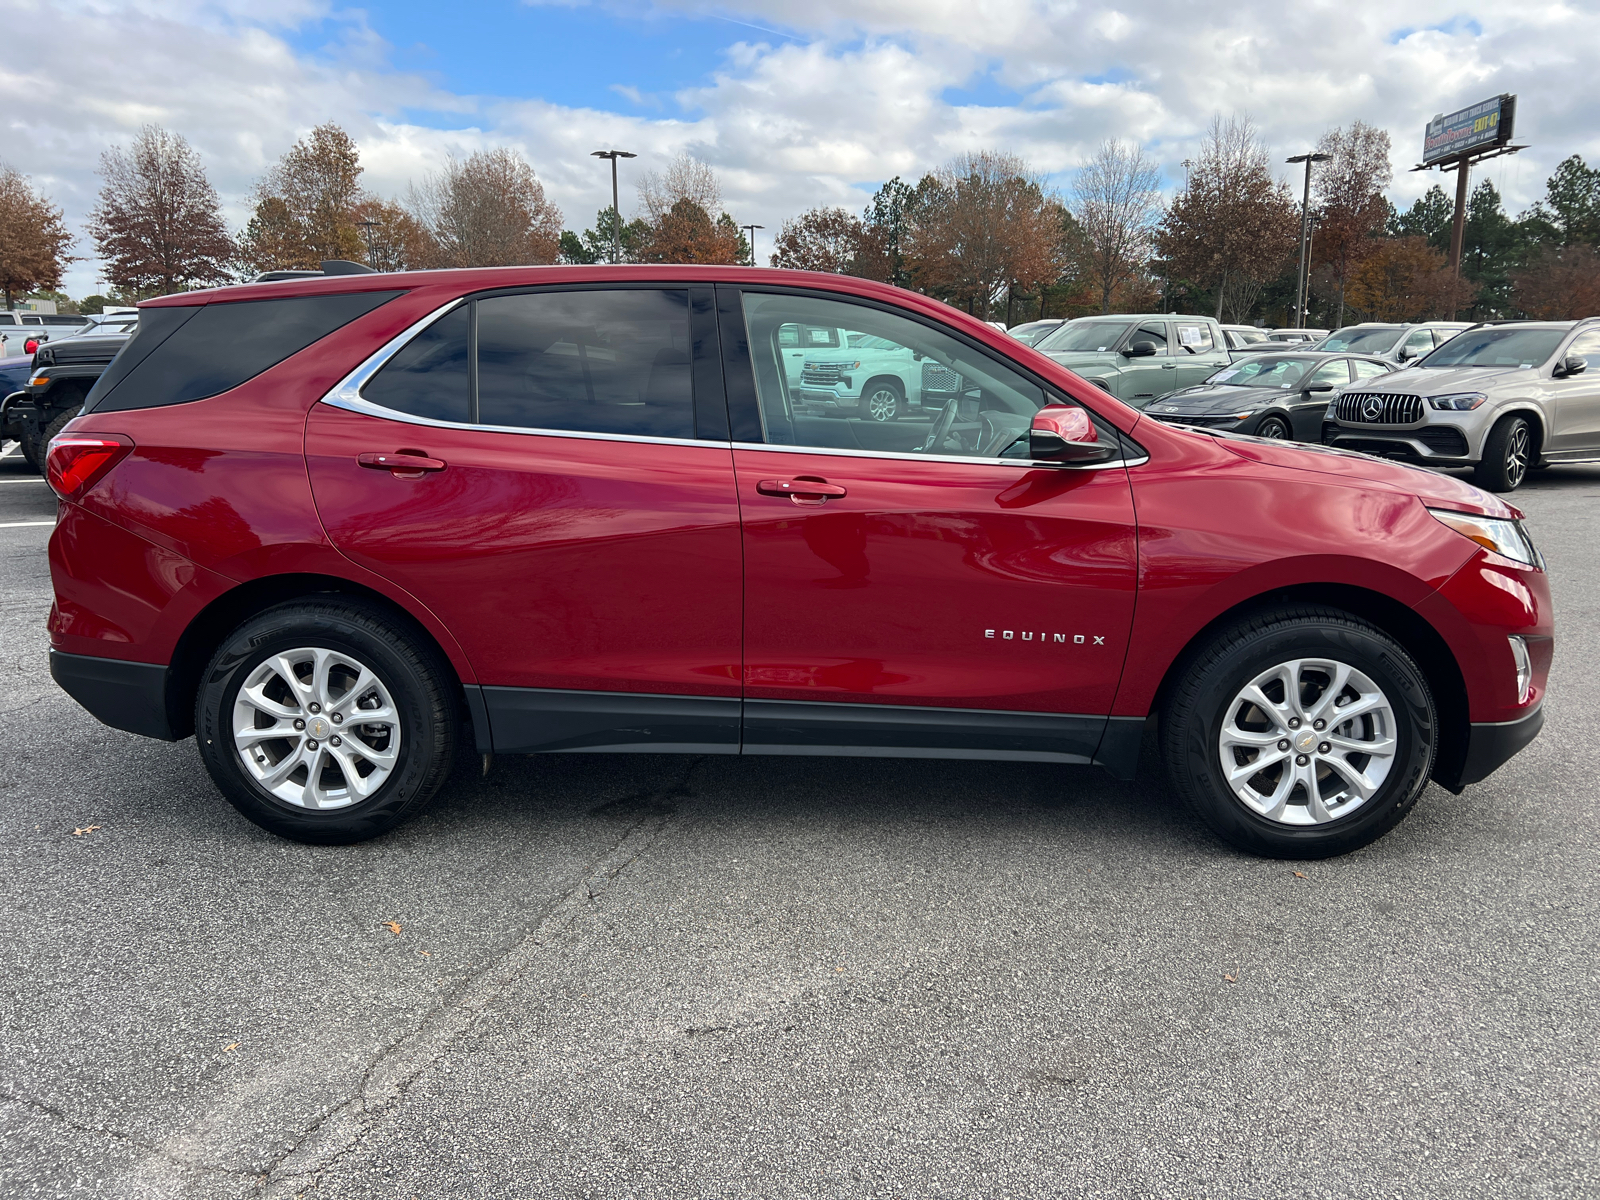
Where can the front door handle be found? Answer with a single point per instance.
(406, 464)
(1169, 366)
(802, 489)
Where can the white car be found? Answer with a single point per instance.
(843, 372)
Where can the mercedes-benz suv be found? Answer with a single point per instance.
(1503, 398)
(343, 529)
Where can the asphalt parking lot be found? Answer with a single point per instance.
(657, 976)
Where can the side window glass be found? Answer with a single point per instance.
(1419, 343)
(1335, 373)
(1368, 370)
(1587, 347)
(789, 336)
(1152, 331)
(427, 377)
(1193, 339)
(587, 361)
(886, 383)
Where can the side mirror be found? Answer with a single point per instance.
(1140, 350)
(1572, 364)
(1060, 433)
(1403, 354)
(1318, 387)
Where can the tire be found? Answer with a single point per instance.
(1209, 715)
(1275, 428)
(1506, 453)
(36, 449)
(882, 400)
(400, 762)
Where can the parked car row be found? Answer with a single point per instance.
(44, 390)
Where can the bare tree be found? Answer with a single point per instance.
(685, 178)
(820, 239)
(1232, 228)
(678, 222)
(33, 239)
(488, 210)
(158, 223)
(305, 206)
(1350, 195)
(982, 226)
(1116, 200)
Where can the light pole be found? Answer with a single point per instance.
(372, 250)
(616, 210)
(1305, 226)
(751, 230)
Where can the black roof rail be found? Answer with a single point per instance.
(330, 266)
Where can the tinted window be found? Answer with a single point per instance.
(595, 362)
(428, 376)
(207, 350)
(950, 397)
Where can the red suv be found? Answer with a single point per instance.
(335, 527)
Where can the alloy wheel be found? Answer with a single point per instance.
(1308, 741)
(1273, 428)
(316, 728)
(1517, 455)
(882, 403)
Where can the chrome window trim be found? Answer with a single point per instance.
(1024, 463)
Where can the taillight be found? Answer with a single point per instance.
(77, 461)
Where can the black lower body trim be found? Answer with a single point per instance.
(906, 731)
(1491, 745)
(123, 695)
(541, 721)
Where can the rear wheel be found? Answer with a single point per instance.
(323, 722)
(1506, 455)
(1302, 733)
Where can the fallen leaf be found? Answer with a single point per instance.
(1231, 978)
(230, 1046)
(1299, 874)
(393, 927)
(84, 830)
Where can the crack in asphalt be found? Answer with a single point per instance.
(391, 1072)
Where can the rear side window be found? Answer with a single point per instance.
(587, 361)
(1195, 338)
(428, 376)
(184, 354)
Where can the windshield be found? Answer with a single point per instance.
(1031, 333)
(1496, 348)
(1264, 371)
(1091, 336)
(868, 341)
(1367, 341)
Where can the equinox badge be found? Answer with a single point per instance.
(1029, 635)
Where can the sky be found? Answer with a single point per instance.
(793, 104)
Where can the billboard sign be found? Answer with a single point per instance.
(1487, 123)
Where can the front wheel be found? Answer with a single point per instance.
(323, 722)
(1506, 455)
(1274, 428)
(881, 401)
(1301, 733)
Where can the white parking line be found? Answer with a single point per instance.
(23, 524)
(7, 451)
(39, 480)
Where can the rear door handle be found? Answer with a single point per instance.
(402, 463)
(802, 489)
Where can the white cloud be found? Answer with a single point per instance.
(858, 94)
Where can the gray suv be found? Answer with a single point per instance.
(1503, 398)
(1140, 356)
(1398, 344)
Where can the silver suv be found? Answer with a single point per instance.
(1503, 398)
(1398, 344)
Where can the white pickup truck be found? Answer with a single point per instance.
(844, 372)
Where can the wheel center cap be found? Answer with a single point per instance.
(318, 727)
(1303, 741)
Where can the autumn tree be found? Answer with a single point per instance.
(394, 239)
(1404, 279)
(305, 206)
(678, 204)
(488, 210)
(33, 238)
(158, 223)
(1562, 283)
(983, 226)
(1352, 207)
(1233, 228)
(1116, 201)
(820, 239)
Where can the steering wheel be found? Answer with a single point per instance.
(941, 426)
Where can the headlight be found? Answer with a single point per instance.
(1509, 539)
(1458, 401)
